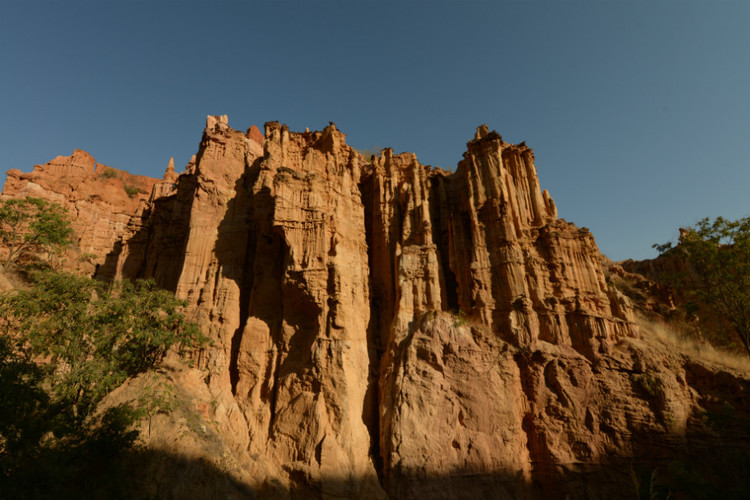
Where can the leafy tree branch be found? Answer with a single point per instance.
(65, 343)
(717, 254)
(32, 225)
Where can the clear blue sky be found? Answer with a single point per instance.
(638, 112)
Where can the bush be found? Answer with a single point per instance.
(96, 334)
(367, 154)
(132, 190)
(109, 173)
(648, 384)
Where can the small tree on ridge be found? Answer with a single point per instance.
(32, 224)
(718, 257)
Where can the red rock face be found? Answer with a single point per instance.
(99, 199)
(388, 330)
(483, 244)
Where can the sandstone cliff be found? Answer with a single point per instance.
(383, 329)
(99, 199)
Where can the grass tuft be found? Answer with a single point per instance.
(681, 340)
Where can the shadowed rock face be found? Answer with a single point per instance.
(383, 329)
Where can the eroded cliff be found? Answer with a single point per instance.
(383, 329)
(99, 199)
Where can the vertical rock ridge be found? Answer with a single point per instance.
(383, 329)
(355, 304)
(309, 187)
(529, 274)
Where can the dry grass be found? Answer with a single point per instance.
(12, 279)
(682, 341)
(5, 283)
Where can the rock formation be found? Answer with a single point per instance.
(100, 200)
(383, 329)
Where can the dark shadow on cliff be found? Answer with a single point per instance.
(157, 248)
(134, 475)
(157, 475)
(250, 254)
(235, 251)
(380, 315)
(108, 269)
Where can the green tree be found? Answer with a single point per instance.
(22, 399)
(717, 254)
(32, 225)
(65, 343)
(95, 334)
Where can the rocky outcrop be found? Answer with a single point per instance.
(484, 244)
(274, 262)
(100, 200)
(384, 329)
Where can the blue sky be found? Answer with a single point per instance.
(638, 112)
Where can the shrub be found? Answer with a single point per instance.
(648, 384)
(110, 173)
(368, 153)
(132, 190)
(95, 334)
(460, 318)
(91, 336)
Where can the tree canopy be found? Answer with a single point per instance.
(97, 334)
(717, 254)
(65, 343)
(32, 225)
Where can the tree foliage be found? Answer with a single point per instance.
(22, 399)
(67, 342)
(717, 254)
(96, 334)
(32, 225)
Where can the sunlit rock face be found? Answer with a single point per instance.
(99, 199)
(384, 329)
